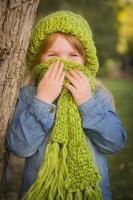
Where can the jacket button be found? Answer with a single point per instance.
(51, 110)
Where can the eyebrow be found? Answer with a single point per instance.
(49, 51)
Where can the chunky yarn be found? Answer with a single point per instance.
(67, 171)
(69, 23)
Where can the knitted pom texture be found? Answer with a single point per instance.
(69, 23)
(67, 171)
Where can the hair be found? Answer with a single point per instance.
(79, 47)
(46, 44)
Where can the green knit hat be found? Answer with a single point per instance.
(65, 22)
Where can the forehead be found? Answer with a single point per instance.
(61, 41)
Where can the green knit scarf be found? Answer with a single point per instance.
(67, 171)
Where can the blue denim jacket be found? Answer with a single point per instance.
(29, 129)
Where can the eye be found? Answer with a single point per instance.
(51, 55)
(74, 54)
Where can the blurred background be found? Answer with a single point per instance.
(111, 22)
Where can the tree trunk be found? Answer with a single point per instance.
(16, 21)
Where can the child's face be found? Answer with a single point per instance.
(63, 49)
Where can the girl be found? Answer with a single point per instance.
(64, 124)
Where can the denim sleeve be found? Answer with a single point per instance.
(102, 124)
(30, 124)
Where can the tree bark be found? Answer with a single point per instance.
(16, 21)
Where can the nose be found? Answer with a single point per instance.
(63, 56)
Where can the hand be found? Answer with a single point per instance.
(79, 86)
(50, 85)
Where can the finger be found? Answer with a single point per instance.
(49, 69)
(70, 87)
(72, 80)
(80, 73)
(62, 78)
(59, 72)
(54, 70)
(76, 75)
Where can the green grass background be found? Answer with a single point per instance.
(121, 164)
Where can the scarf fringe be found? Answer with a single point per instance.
(88, 194)
(53, 187)
(53, 175)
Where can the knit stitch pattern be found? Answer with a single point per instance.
(67, 171)
(69, 23)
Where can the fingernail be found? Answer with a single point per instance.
(56, 61)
